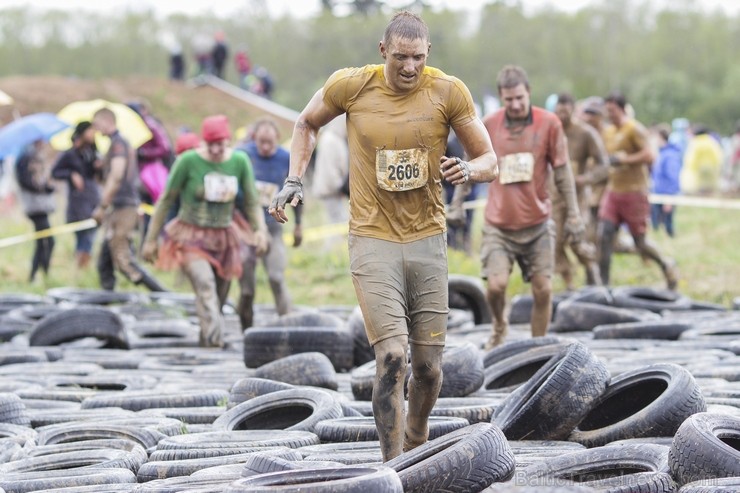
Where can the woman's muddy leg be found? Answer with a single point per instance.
(424, 385)
(388, 403)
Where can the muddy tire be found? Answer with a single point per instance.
(78, 323)
(363, 351)
(363, 429)
(468, 293)
(556, 398)
(92, 458)
(647, 298)
(650, 401)
(311, 369)
(341, 480)
(462, 370)
(509, 373)
(147, 399)
(12, 410)
(621, 464)
(706, 446)
(238, 439)
(263, 345)
(661, 329)
(348, 453)
(581, 316)
(51, 480)
(717, 485)
(250, 387)
(514, 347)
(469, 459)
(294, 409)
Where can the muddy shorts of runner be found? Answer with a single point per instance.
(401, 288)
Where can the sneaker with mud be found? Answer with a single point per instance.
(498, 336)
(671, 275)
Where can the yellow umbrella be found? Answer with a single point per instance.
(129, 123)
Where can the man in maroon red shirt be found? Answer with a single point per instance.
(531, 144)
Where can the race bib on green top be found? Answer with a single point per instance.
(266, 191)
(220, 188)
(516, 168)
(401, 170)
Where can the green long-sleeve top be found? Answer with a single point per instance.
(187, 180)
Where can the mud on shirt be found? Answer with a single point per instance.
(520, 197)
(395, 142)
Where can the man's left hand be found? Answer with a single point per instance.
(454, 170)
(98, 214)
(575, 228)
(297, 235)
(262, 242)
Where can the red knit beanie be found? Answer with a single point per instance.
(215, 128)
(185, 141)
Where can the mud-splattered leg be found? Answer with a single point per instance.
(424, 385)
(388, 404)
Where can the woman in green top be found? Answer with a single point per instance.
(207, 240)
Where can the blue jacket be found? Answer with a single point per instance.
(666, 170)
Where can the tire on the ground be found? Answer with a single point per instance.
(363, 429)
(266, 344)
(509, 373)
(469, 459)
(468, 293)
(650, 401)
(661, 329)
(648, 298)
(583, 316)
(249, 387)
(311, 369)
(706, 446)
(147, 399)
(51, 480)
(556, 398)
(363, 351)
(514, 347)
(332, 480)
(623, 464)
(78, 323)
(294, 409)
(462, 370)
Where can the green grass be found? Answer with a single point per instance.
(705, 248)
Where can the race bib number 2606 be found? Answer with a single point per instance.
(401, 170)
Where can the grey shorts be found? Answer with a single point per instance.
(533, 248)
(401, 288)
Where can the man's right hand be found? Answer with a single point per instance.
(292, 192)
(149, 250)
(455, 216)
(77, 181)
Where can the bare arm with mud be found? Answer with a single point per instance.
(483, 165)
(315, 115)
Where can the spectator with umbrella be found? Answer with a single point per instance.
(37, 198)
(79, 166)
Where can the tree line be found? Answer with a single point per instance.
(678, 61)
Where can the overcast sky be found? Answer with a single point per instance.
(299, 7)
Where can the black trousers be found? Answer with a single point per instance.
(44, 246)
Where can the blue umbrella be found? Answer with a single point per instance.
(19, 133)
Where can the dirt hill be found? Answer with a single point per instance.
(177, 104)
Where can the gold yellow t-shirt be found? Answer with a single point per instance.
(400, 136)
(631, 137)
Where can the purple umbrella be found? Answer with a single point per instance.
(19, 133)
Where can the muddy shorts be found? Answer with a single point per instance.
(533, 248)
(631, 208)
(401, 288)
